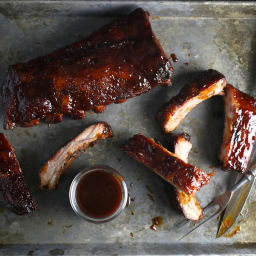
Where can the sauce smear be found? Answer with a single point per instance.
(156, 223)
(174, 57)
(234, 232)
(99, 194)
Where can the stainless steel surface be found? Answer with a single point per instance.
(204, 35)
(73, 199)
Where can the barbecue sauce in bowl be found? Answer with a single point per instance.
(99, 194)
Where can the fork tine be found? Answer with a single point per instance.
(209, 206)
(198, 225)
(205, 210)
(184, 223)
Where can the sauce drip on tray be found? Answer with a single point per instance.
(99, 194)
(156, 223)
(174, 57)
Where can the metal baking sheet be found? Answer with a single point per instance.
(203, 35)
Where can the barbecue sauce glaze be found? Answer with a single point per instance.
(164, 163)
(99, 194)
(119, 61)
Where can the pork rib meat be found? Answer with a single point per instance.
(207, 84)
(119, 61)
(50, 173)
(12, 181)
(166, 164)
(190, 207)
(239, 130)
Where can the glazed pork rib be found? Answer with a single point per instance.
(239, 130)
(169, 166)
(190, 207)
(207, 84)
(119, 61)
(12, 181)
(64, 157)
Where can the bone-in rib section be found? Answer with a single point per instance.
(239, 130)
(64, 157)
(181, 146)
(12, 181)
(119, 61)
(206, 85)
(166, 164)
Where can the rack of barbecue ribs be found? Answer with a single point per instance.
(119, 61)
(52, 170)
(239, 129)
(187, 203)
(12, 181)
(166, 164)
(207, 84)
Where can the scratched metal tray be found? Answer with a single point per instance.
(203, 35)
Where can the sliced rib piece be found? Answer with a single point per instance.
(207, 84)
(181, 146)
(239, 130)
(189, 205)
(64, 157)
(12, 181)
(183, 176)
(119, 61)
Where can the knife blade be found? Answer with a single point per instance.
(235, 206)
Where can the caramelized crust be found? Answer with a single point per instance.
(239, 130)
(12, 181)
(52, 170)
(207, 84)
(183, 176)
(119, 61)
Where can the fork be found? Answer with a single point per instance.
(220, 203)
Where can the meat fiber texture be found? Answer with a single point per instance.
(119, 61)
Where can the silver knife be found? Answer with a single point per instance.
(237, 201)
(235, 206)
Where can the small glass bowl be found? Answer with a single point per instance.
(77, 179)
